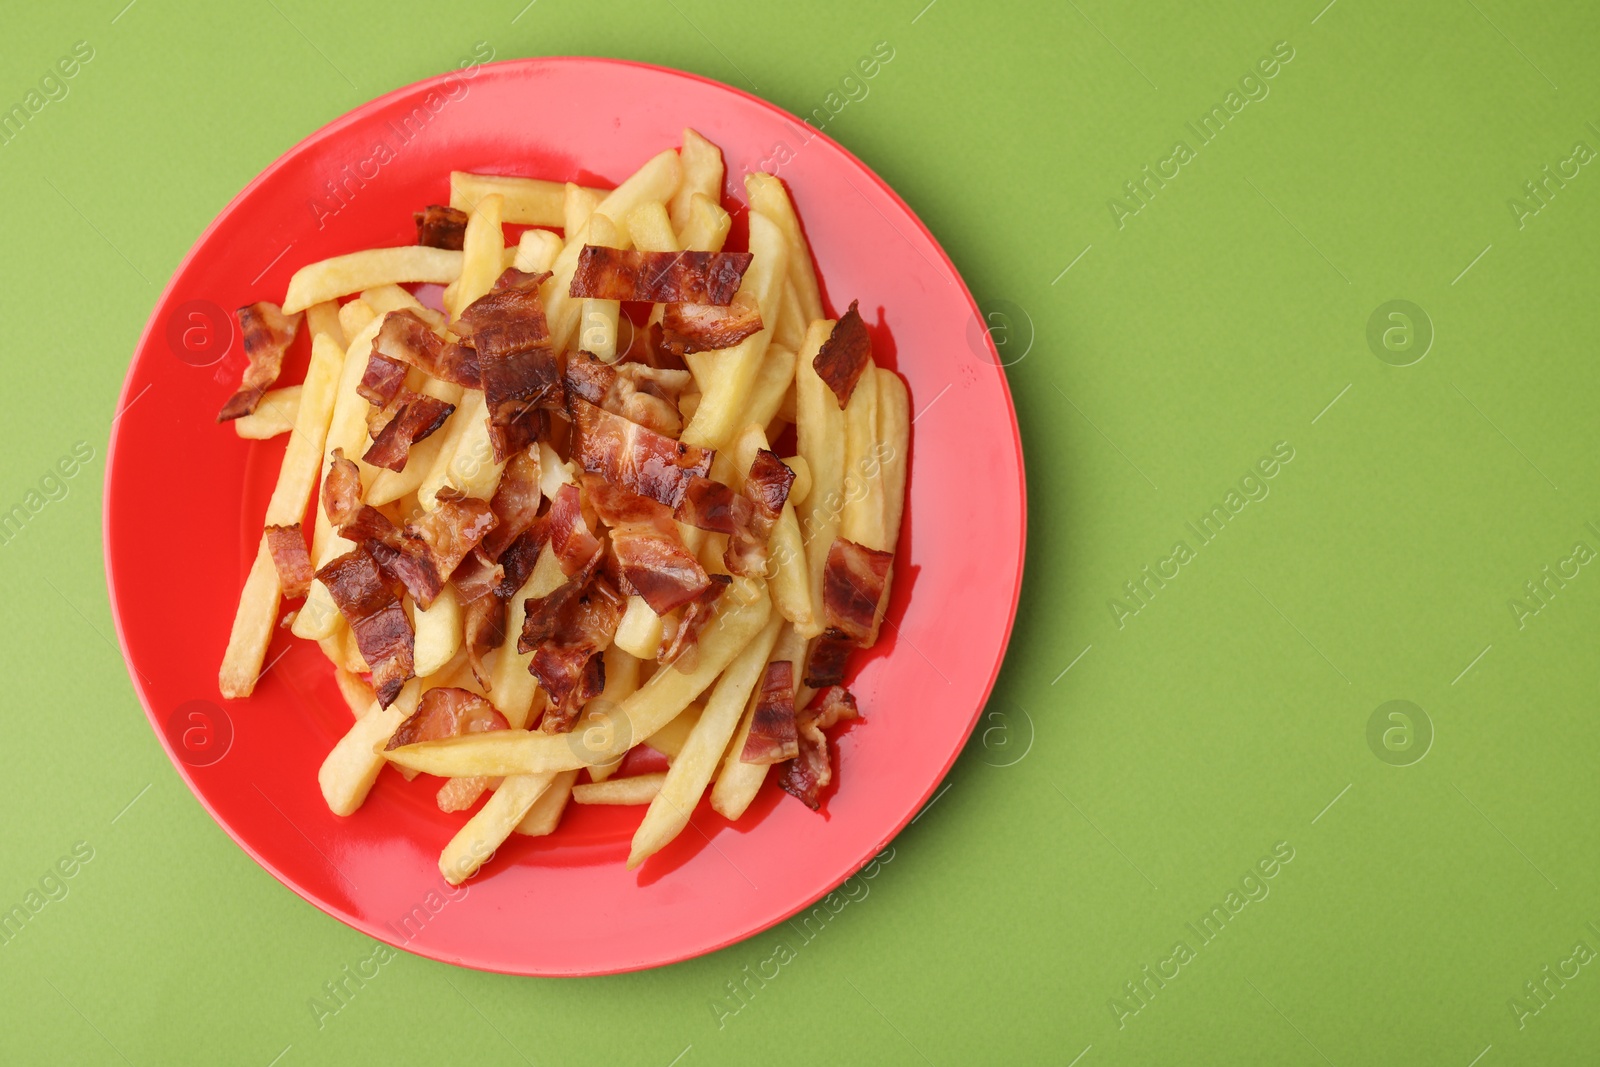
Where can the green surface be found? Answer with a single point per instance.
(1099, 811)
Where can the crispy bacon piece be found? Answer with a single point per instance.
(515, 502)
(341, 501)
(766, 489)
(649, 348)
(681, 648)
(808, 774)
(405, 338)
(650, 553)
(383, 632)
(826, 665)
(447, 712)
(441, 227)
(633, 456)
(483, 611)
(268, 333)
(772, 726)
(712, 506)
(574, 545)
(380, 383)
(507, 327)
(567, 631)
(659, 277)
(687, 328)
(638, 392)
(415, 418)
(289, 555)
(852, 586)
(844, 355)
(576, 674)
(430, 549)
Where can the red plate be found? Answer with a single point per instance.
(185, 499)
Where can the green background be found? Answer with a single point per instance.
(1097, 811)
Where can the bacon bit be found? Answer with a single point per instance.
(381, 382)
(483, 610)
(519, 558)
(766, 490)
(649, 348)
(681, 649)
(633, 456)
(268, 333)
(687, 328)
(650, 553)
(852, 585)
(288, 547)
(844, 355)
(566, 631)
(416, 417)
(659, 277)
(441, 227)
(430, 549)
(808, 774)
(826, 665)
(709, 505)
(405, 338)
(570, 538)
(577, 674)
(383, 632)
(341, 502)
(507, 327)
(515, 502)
(635, 391)
(447, 712)
(772, 736)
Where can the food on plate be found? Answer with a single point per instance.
(534, 505)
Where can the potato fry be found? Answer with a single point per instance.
(274, 415)
(459, 794)
(356, 693)
(650, 228)
(821, 432)
(801, 487)
(386, 298)
(669, 740)
(546, 811)
(738, 782)
(511, 688)
(702, 175)
(774, 379)
(536, 250)
(438, 632)
(527, 201)
(577, 205)
(726, 377)
(861, 515)
(639, 633)
(388, 486)
(598, 333)
(486, 831)
(472, 469)
(354, 317)
(483, 250)
(768, 196)
(324, 318)
(454, 431)
(792, 321)
(346, 776)
(694, 766)
(894, 438)
(622, 681)
(639, 789)
(341, 275)
(707, 226)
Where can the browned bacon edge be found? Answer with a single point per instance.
(566, 632)
(447, 712)
(380, 383)
(766, 490)
(636, 391)
(659, 277)
(515, 502)
(808, 774)
(417, 418)
(633, 456)
(687, 328)
(405, 338)
(710, 505)
(268, 333)
(681, 649)
(383, 632)
(852, 587)
(772, 736)
(293, 562)
(650, 555)
(518, 368)
(844, 355)
(570, 538)
(441, 227)
(827, 662)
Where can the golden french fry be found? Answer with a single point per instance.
(787, 569)
(356, 693)
(768, 196)
(346, 776)
(773, 380)
(438, 632)
(486, 831)
(577, 205)
(639, 789)
(546, 811)
(650, 228)
(691, 771)
(669, 740)
(726, 377)
(894, 442)
(702, 175)
(388, 486)
(792, 320)
(801, 487)
(511, 688)
(274, 415)
(707, 226)
(639, 632)
(324, 318)
(387, 298)
(527, 201)
(821, 432)
(536, 250)
(459, 794)
(341, 275)
(738, 782)
(354, 317)
(483, 250)
(622, 681)
(861, 516)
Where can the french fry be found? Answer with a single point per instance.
(669, 740)
(346, 776)
(274, 415)
(702, 175)
(768, 196)
(546, 811)
(861, 516)
(800, 488)
(512, 689)
(601, 735)
(658, 179)
(527, 201)
(707, 226)
(324, 318)
(792, 321)
(438, 632)
(486, 831)
(821, 433)
(356, 693)
(454, 431)
(726, 377)
(459, 794)
(258, 604)
(650, 228)
(536, 250)
(387, 298)
(483, 250)
(622, 681)
(341, 275)
(638, 789)
(388, 486)
(354, 317)
(773, 380)
(577, 205)
(694, 766)
(639, 632)
(472, 469)
(598, 333)
(738, 782)
(894, 436)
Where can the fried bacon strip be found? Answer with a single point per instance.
(825, 667)
(766, 488)
(383, 632)
(808, 774)
(341, 501)
(844, 355)
(773, 737)
(517, 365)
(268, 333)
(441, 227)
(653, 560)
(568, 665)
(415, 417)
(633, 456)
(681, 648)
(574, 545)
(405, 338)
(486, 588)
(515, 503)
(687, 328)
(659, 277)
(852, 587)
(291, 558)
(638, 392)
(430, 549)
(447, 712)
(380, 383)
(712, 506)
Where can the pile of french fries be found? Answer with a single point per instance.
(850, 474)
